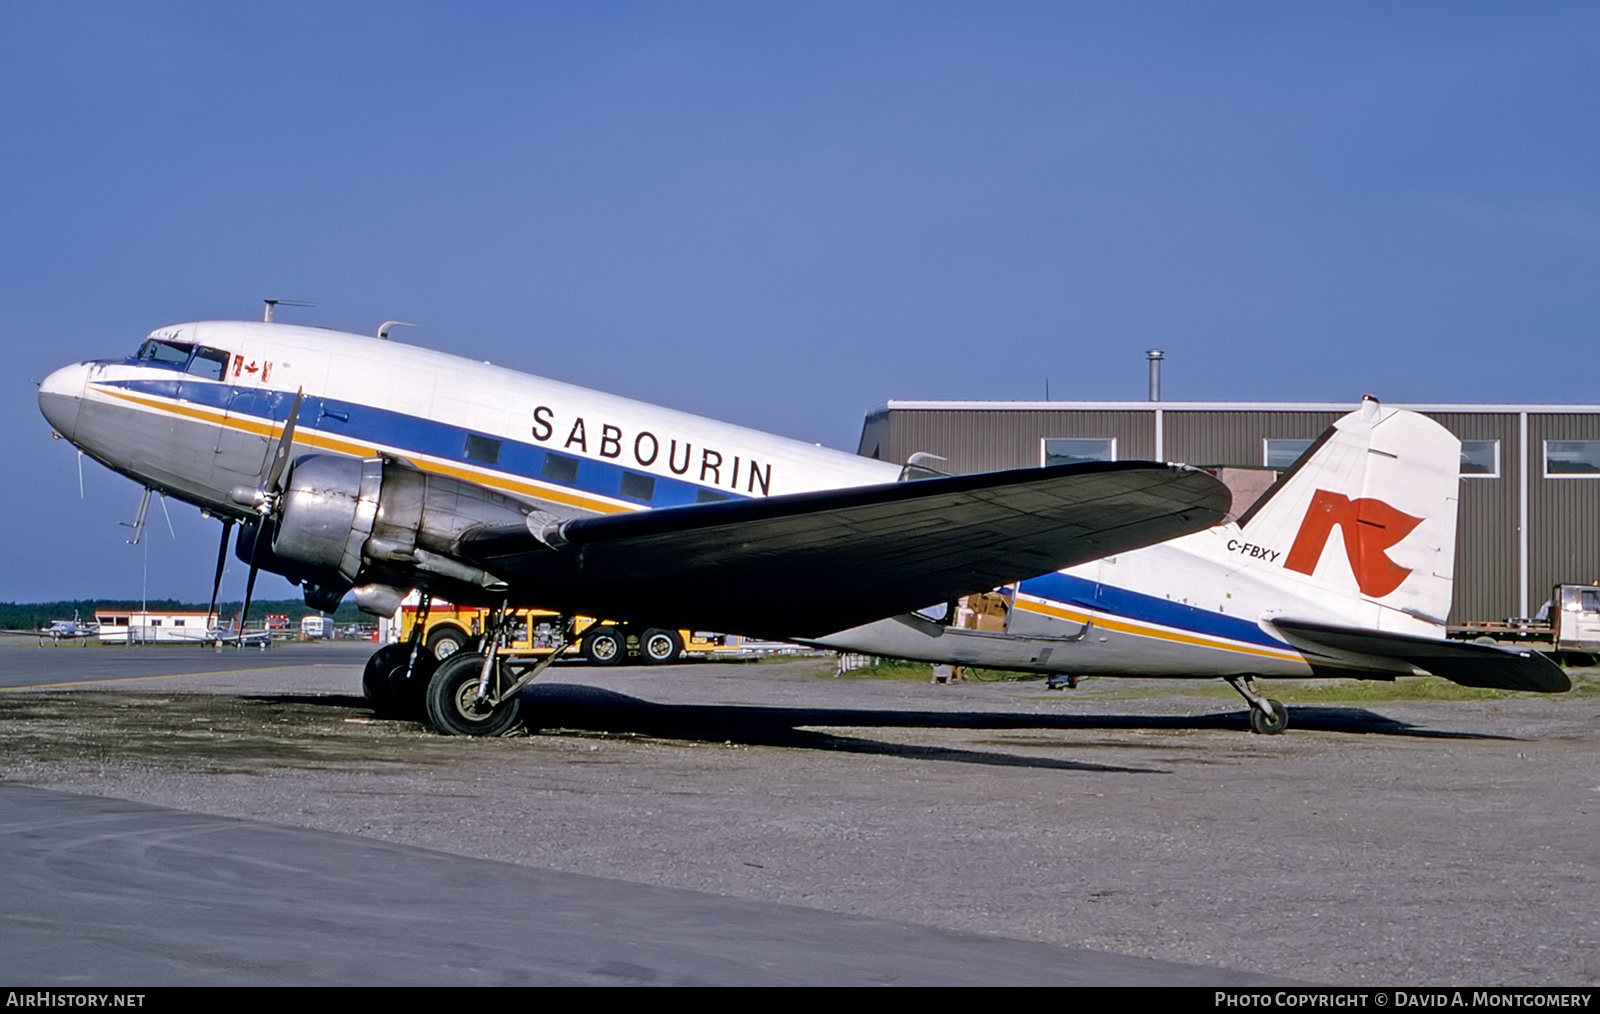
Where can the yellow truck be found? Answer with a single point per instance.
(450, 628)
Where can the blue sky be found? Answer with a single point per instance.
(785, 214)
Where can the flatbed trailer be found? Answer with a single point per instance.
(1568, 629)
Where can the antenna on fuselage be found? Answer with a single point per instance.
(383, 329)
(273, 304)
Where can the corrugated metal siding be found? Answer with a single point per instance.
(1235, 438)
(1486, 523)
(1563, 514)
(984, 441)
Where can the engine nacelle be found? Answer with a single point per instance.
(355, 516)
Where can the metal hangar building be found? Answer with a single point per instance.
(1529, 515)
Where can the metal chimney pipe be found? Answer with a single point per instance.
(1155, 356)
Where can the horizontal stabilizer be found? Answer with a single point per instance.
(1471, 665)
(813, 563)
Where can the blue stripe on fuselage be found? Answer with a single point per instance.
(1100, 597)
(368, 425)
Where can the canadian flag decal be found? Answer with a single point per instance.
(1369, 526)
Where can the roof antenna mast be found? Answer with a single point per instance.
(270, 314)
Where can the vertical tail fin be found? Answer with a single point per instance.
(1370, 510)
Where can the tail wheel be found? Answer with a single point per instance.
(446, 641)
(605, 646)
(1270, 726)
(452, 699)
(660, 647)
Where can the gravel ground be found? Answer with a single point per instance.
(1401, 843)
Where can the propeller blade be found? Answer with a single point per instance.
(280, 454)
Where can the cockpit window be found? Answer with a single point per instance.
(164, 353)
(209, 363)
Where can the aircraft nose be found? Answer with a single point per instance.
(60, 394)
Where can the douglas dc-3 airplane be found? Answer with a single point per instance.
(1344, 568)
(355, 463)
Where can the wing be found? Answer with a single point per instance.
(813, 563)
(1471, 665)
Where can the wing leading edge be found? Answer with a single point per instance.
(812, 563)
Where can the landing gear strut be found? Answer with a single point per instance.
(1267, 716)
(479, 693)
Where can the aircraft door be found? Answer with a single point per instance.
(242, 439)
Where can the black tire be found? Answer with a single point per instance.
(451, 695)
(605, 646)
(446, 641)
(386, 686)
(375, 677)
(660, 647)
(409, 692)
(1270, 726)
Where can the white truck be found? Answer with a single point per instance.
(1567, 628)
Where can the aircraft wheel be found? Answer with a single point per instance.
(446, 641)
(605, 646)
(409, 695)
(385, 684)
(660, 647)
(375, 677)
(1270, 726)
(452, 700)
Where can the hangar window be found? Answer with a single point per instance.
(1078, 450)
(638, 487)
(482, 449)
(1281, 452)
(560, 468)
(1480, 459)
(1572, 459)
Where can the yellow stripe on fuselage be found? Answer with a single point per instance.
(322, 441)
(1121, 625)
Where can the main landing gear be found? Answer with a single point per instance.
(1267, 716)
(396, 678)
(478, 692)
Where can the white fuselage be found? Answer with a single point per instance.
(570, 450)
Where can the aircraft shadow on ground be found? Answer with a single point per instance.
(559, 706)
(568, 706)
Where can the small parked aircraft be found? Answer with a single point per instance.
(356, 463)
(1345, 567)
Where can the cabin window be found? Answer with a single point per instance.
(1281, 452)
(638, 487)
(157, 352)
(482, 449)
(560, 468)
(210, 364)
(1480, 459)
(710, 496)
(1078, 450)
(1572, 459)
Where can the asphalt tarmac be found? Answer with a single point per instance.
(180, 816)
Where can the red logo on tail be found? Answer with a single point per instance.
(1369, 527)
